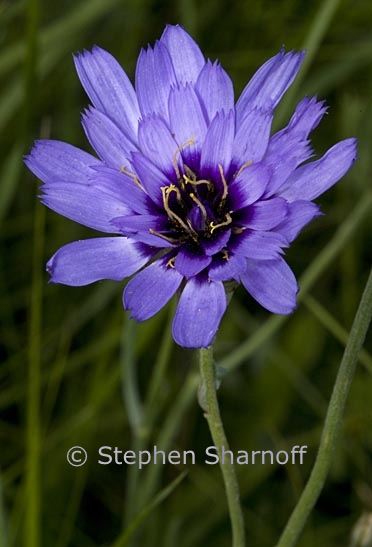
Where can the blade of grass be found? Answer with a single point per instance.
(55, 34)
(343, 63)
(141, 430)
(53, 44)
(3, 519)
(160, 365)
(32, 526)
(318, 30)
(335, 328)
(134, 410)
(333, 421)
(166, 435)
(33, 427)
(9, 178)
(130, 393)
(32, 60)
(125, 537)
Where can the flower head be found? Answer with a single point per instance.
(191, 187)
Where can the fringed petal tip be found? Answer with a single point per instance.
(56, 161)
(84, 262)
(311, 180)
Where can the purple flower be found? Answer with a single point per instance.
(192, 189)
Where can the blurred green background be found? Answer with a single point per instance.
(75, 371)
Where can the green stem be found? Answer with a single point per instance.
(333, 421)
(213, 417)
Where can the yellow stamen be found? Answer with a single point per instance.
(200, 205)
(167, 238)
(124, 170)
(172, 188)
(190, 142)
(225, 254)
(225, 188)
(166, 191)
(242, 168)
(214, 226)
(171, 261)
(190, 178)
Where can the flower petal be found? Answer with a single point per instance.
(310, 180)
(154, 77)
(185, 53)
(217, 146)
(151, 240)
(282, 157)
(213, 246)
(190, 263)
(299, 214)
(129, 224)
(305, 119)
(56, 161)
(248, 186)
(123, 187)
(270, 82)
(259, 245)
(83, 262)
(265, 215)
(227, 268)
(152, 179)
(151, 289)
(157, 143)
(272, 283)
(252, 136)
(87, 205)
(215, 88)
(199, 312)
(187, 123)
(290, 147)
(109, 89)
(107, 139)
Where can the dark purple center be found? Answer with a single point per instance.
(196, 208)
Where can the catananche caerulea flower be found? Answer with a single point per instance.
(191, 188)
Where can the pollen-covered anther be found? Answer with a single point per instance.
(225, 254)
